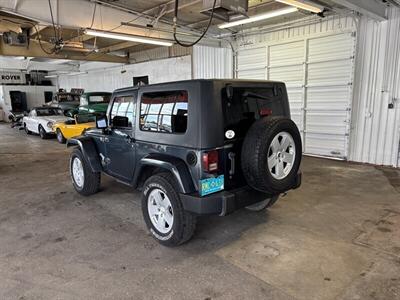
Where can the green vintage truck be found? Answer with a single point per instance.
(91, 103)
(94, 102)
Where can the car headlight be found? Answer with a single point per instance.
(50, 124)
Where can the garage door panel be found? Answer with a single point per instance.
(295, 98)
(254, 58)
(329, 122)
(331, 48)
(330, 73)
(318, 72)
(287, 54)
(252, 74)
(291, 75)
(327, 145)
(331, 98)
(296, 105)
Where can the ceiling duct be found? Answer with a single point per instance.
(392, 2)
(226, 10)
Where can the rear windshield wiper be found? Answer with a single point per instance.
(254, 95)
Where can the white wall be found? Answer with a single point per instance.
(34, 95)
(11, 63)
(375, 127)
(212, 62)
(109, 79)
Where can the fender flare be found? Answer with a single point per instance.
(176, 166)
(89, 151)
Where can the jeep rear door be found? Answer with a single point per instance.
(120, 144)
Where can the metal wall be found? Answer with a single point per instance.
(212, 62)
(109, 79)
(316, 63)
(376, 126)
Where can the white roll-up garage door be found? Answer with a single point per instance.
(318, 72)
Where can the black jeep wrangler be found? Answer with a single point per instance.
(196, 147)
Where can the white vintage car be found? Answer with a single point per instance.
(40, 120)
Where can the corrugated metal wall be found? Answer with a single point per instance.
(159, 53)
(308, 26)
(375, 126)
(109, 79)
(316, 63)
(212, 62)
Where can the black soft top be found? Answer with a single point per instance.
(219, 81)
(205, 128)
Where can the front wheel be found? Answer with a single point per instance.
(42, 132)
(163, 211)
(84, 180)
(27, 131)
(60, 137)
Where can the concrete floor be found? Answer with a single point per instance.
(337, 237)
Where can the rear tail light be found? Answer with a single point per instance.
(265, 112)
(210, 161)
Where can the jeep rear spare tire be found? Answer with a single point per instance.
(271, 155)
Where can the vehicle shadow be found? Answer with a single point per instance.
(215, 232)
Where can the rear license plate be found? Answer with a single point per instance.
(211, 185)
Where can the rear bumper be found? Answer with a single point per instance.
(226, 202)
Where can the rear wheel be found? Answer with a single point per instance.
(84, 180)
(42, 132)
(163, 211)
(60, 137)
(271, 155)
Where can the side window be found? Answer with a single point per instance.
(123, 106)
(84, 100)
(164, 111)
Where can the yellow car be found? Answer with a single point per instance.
(73, 127)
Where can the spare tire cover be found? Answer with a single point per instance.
(271, 154)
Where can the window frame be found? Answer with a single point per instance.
(133, 95)
(160, 115)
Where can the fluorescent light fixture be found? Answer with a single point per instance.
(256, 18)
(128, 37)
(304, 4)
(58, 61)
(76, 73)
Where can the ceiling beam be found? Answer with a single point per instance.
(370, 8)
(142, 15)
(35, 50)
(34, 31)
(117, 47)
(169, 7)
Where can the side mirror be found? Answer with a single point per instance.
(119, 121)
(101, 122)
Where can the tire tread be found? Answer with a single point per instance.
(185, 219)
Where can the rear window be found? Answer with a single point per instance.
(248, 105)
(165, 111)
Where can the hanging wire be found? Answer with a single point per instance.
(52, 21)
(202, 35)
(94, 15)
